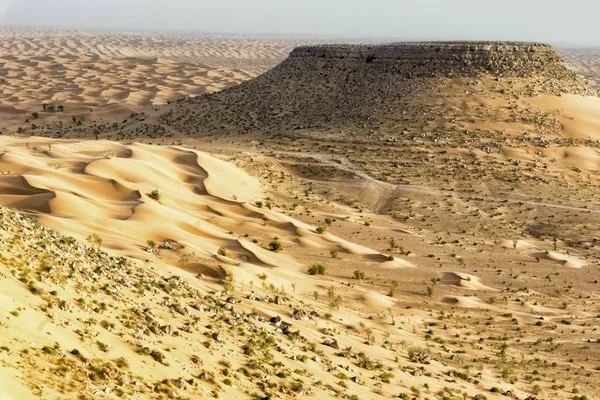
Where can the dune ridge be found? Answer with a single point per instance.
(106, 188)
(80, 79)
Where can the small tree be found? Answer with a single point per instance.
(222, 251)
(321, 230)
(358, 274)
(328, 221)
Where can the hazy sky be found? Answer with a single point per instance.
(556, 21)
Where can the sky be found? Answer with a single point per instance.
(574, 22)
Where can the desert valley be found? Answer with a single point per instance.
(229, 216)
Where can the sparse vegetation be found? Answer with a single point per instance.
(275, 245)
(317, 269)
(358, 274)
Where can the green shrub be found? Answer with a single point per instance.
(275, 245)
(358, 274)
(316, 269)
(155, 194)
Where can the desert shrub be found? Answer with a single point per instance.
(155, 194)
(94, 240)
(429, 291)
(316, 269)
(275, 245)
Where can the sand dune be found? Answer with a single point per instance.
(476, 303)
(464, 281)
(40, 65)
(92, 80)
(561, 259)
(97, 68)
(580, 116)
(106, 188)
(255, 54)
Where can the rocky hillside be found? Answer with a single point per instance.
(78, 323)
(360, 87)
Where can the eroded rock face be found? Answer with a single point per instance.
(366, 87)
(440, 59)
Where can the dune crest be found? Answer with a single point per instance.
(464, 281)
(133, 195)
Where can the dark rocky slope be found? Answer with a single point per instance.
(358, 87)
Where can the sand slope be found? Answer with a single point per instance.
(204, 203)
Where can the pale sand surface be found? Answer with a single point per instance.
(88, 79)
(208, 202)
(42, 66)
(86, 67)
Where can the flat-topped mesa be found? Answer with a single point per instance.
(357, 87)
(443, 58)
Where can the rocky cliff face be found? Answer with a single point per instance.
(357, 86)
(439, 59)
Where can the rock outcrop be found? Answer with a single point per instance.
(448, 59)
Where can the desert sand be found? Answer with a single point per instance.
(44, 66)
(66, 80)
(147, 255)
(215, 233)
(215, 237)
(84, 67)
(584, 61)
